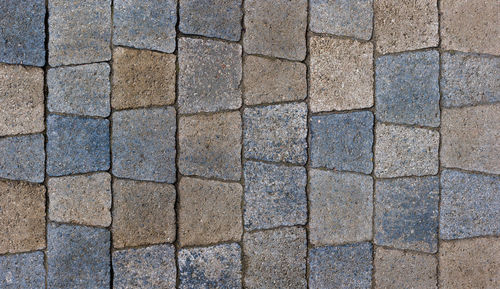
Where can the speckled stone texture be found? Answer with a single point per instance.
(22, 158)
(342, 141)
(341, 207)
(144, 268)
(22, 271)
(211, 267)
(348, 266)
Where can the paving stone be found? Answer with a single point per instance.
(22, 38)
(405, 151)
(276, 28)
(348, 266)
(397, 269)
(148, 24)
(405, 25)
(21, 96)
(209, 75)
(470, 26)
(83, 199)
(212, 18)
(406, 213)
(276, 133)
(407, 88)
(343, 141)
(209, 212)
(142, 78)
(143, 213)
(341, 207)
(151, 267)
(80, 90)
(22, 217)
(76, 145)
(469, 79)
(80, 31)
(22, 271)
(470, 138)
(275, 195)
(210, 145)
(275, 258)
(269, 80)
(341, 74)
(77, 257)
(143, 144)
(470, 264)
(22, 158)
(469, 205)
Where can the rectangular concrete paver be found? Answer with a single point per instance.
(22, 271)
(22, 158)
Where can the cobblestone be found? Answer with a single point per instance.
(22, 158)
(22, 271)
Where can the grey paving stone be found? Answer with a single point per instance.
(276, 133)
(275, 258)
(212, 18)
(77, 257)
(343, 141)
(209, 75)
(406, 213)
(23, 158)
(211, 267)
(341, 207)
(80, 90)
(76, 145)
(148, 24)
(145, 268)
(80, 31)
(469, 205)
(22, 37)
(348, 266)
(407, 88)
(275, 195)
(22, 271)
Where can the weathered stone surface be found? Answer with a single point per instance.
(77, 257)
(471, 138)
(143, 144)
(22, 271)
(275, 195)
(209, 75)
(276, 28)
(22, 158)
(341, 207)
(80, 31)
(209, 212)
(405, 25)
(210, 145)
(343, 141)
(83, 199)
(275, 258)
(407, 88)
(144, 268)
(405, 151)
(469, 205)
(21, 98)
(81, 89)
(341, 74)
(348, 266)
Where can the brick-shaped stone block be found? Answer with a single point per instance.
(22, 158)
(22, 271)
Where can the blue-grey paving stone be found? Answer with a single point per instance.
(77, 257)
(343, 141)
(148, 24)
(276, 133)
(348, 266)
(406, 213)
(407, 88)
(469, 205)
(143, 144)
(22, 158)
(144, 268)
(22, 271)
(275, 195)
(76, 145)
(211, 267)
(212, 18)
(22, 33)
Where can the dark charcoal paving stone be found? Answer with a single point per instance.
(22, 158)
(22, 271)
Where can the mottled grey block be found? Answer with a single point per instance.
(22, 271)
(22, 158)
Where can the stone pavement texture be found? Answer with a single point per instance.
(250, 144)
